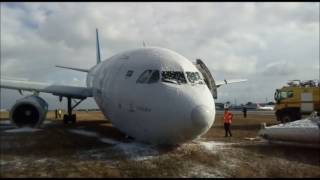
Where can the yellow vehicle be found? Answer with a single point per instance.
(297, 99)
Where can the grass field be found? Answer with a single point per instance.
(93, 148)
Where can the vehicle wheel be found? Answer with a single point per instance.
(296, 116)
(73, 118)
(286, 118)
(65, 119)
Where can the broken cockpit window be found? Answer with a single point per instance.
(149, 76)
(173, 77)
(194, 77)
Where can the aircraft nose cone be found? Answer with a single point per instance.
(201, 116)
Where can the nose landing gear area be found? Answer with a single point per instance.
(69, 119)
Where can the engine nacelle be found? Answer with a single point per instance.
(29, 111)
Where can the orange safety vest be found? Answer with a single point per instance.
(227, 117)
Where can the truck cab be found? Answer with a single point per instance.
(295, 101)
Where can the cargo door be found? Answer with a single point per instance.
(307, 102)
(207, 77)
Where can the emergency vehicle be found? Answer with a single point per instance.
(296, 99)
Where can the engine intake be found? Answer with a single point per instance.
(29, 111)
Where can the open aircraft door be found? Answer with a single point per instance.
(207, 77)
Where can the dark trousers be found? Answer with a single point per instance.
(227, 129)
(244, 114)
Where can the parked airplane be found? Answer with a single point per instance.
(152, 94)
(265, 108)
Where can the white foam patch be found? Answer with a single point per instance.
(94, 134)
(47, 122)
(83, 132)
(134, 151)
(20, 130)
(137, 151)
(43, 160)
(109, 141)
(2, 163)
(202, 171)
(251, 138)
(303, 123)
(211, 145)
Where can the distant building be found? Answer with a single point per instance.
(219, 106)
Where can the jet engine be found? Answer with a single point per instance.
(29, 111)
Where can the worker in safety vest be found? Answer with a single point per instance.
(227, 119)
(60, 113)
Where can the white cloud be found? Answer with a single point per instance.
(247, 40)
(281, 68)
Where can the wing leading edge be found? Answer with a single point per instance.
(58, 90)
(219, 83)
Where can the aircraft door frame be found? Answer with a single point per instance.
(208, 78)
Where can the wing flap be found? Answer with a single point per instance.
(58, 90)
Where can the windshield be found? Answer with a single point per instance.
(144, 76)
(173, 77)
(279, 95)
(155, 76)
(194, 78)
(149, 76)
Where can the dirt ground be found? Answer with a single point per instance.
(93, 148)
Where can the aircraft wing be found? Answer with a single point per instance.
(58, 90)
(219, 83)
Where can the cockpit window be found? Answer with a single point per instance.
(144, 77)
(194, 77)
(129, 73)
(154, 77)
(173, 77)
(149, 76)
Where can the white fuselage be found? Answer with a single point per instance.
(159, 112)
(266, 108)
